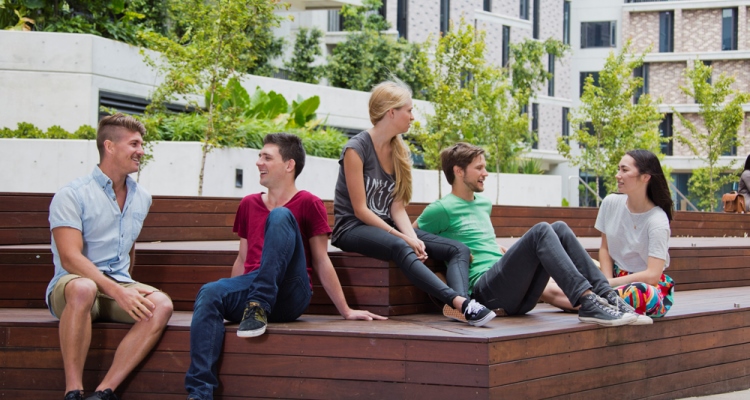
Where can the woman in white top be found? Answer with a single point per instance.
(635, 234)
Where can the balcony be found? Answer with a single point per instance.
(302, 5)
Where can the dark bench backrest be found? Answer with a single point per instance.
(23, 219)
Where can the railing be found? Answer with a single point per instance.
(586, 185)
(673, 187)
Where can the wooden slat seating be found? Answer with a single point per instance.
(370, 284)
(23, 219)
(700, 348)
(374, 285)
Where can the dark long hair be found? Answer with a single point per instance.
(747, 163)
(657, 189)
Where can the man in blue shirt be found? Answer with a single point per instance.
(95, 221)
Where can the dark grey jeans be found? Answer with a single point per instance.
(377, 243)
(516, 281)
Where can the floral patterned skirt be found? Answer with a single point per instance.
(653, 301)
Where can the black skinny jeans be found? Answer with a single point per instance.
(377, 243)
(516, 281)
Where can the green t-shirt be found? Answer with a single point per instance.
(467, 222)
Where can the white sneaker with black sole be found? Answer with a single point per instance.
(596, 310)
(626, 308)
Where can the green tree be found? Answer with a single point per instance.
(415, 70)
(306, 49)
(527, 67)
(367, 56)
(501, 126)
(720, 110)
(273, 49)
(118, 20)
(608, 123)
(458, 58)
(219, 40)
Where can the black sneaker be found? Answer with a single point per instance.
(596, 310)
(106, 394)
(74, 395)
(626, 308)
(475, 313)
(254, 321)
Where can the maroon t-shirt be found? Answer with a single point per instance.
(250, 223)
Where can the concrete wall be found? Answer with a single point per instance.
(55, 78)
(34, 165)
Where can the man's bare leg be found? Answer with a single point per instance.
(554, 295)
(75, 330)
(139, 341)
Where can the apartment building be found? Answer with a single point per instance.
(678, 33)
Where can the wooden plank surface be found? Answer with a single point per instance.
(547, 353)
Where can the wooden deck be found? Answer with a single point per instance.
(700, 348)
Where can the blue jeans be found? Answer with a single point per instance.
(516, 281)
(281, 286)
(377, 243)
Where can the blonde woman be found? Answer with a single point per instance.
(372, 190)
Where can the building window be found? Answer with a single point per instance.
(401, 17)
(335, 21)
(708, 64)
(666, 32)
(445, 16)
(641, 72)
(729, 29)
(582, 82)
(598, 34)
(524, 10)
(665, 130)
(536, 19)
(535, 125)
(551, 70)
(565, 125)
(506, 46)
(566, 22)
(487, 6)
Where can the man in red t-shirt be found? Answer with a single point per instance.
(283, 236)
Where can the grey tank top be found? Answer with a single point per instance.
(379, 187)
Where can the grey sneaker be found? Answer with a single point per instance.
(254, 321)
(596, 310)
(626, 308)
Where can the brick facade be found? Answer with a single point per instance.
(739, 69)
(665, 80)
(701, 30)
(643, 30)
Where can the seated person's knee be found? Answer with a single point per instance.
(80, 292)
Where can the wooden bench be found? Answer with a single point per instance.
(24, 219)
(378, 286)
(700, 348)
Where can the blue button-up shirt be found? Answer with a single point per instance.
(89, 204)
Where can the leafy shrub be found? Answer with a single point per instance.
(57, 132)
(87, 132)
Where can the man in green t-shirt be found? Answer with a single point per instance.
(514, 281)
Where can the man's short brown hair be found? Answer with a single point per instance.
(460, 154)
(109, 129)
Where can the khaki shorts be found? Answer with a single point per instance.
(105, 308)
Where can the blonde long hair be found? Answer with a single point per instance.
(386, 96)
